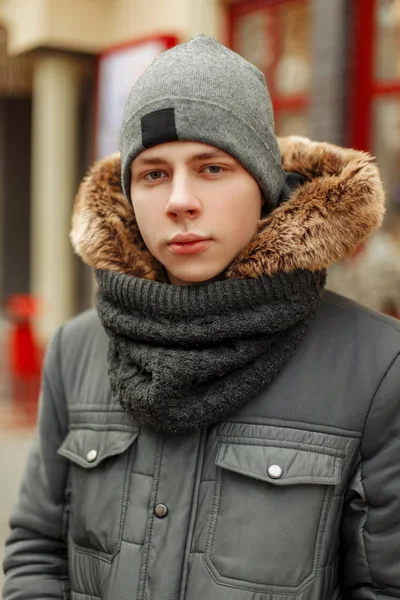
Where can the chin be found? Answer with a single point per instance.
(193, 276)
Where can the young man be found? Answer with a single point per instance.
(221, 428)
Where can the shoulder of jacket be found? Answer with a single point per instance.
(354, 331)
(375, 322)
(83, 357)
(84, 325)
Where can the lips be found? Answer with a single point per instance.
(188, 243)
(186, 238)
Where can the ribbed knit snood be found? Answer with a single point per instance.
(184, 357)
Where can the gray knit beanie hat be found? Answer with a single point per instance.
(201, 91)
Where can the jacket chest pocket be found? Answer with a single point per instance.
(270, 508)
(98, 487)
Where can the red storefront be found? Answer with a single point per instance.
(375, 123)
(277, 36)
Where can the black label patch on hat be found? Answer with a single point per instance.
(159, 127)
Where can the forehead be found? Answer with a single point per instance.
(181, 150)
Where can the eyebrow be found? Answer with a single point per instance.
(158, 160)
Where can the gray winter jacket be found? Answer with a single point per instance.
(295, 496)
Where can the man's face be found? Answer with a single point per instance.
(196, 208)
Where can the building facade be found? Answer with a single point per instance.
(333, 69)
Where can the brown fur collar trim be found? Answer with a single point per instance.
(323, 221)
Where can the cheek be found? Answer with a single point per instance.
(241, 215)
(147, 222)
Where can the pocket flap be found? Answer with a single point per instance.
(88, 447)
(280, 465)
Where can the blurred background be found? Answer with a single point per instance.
(66, 66)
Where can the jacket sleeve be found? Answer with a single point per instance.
(370, 555)
(35, 563)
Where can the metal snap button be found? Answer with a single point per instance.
(160, 511)
(275, 471)
(91, 455)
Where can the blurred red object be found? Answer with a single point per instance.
(25, 355)
(22, 306)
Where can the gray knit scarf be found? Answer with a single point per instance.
(182, 358)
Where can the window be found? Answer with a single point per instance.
(275, 36)
(386, 101)
(387, 41)
(376, 105)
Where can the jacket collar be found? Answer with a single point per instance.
(324, 220)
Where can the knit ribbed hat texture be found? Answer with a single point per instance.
(202, 91)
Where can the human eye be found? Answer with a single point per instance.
(154, 175)
(213, 169)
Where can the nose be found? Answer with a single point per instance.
(182, 202)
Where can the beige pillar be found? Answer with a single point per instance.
(208, 18)
(54, 179)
